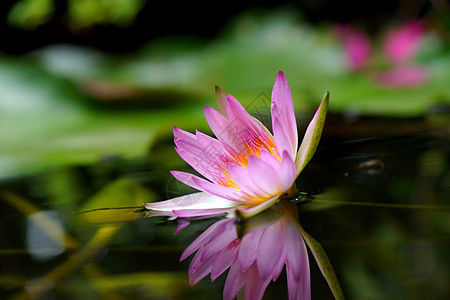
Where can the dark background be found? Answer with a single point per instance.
(200, 19)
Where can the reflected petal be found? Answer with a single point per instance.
(249, 249)
(234, 283)
(270, 249)
(257, 258)
(255, 284)
(198, 242)
(227, 257)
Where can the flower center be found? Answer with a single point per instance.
(250, 144)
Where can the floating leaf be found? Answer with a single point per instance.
(116, 202)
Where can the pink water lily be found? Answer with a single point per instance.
(403, 76)
(246, 167)
(357, 47)
(257, 258)
(402, 44)
(400, 47)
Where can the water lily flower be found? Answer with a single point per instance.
(400, 47)
(403, 76)
(246, 167)
(273, 241)
(402, 44)
(357, 47)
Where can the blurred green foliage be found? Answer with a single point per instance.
(29, 14)
(76, 116)
(116, 203)
(65, 104)
(86, 13)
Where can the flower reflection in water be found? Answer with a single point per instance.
(249, 175)
(269, 241)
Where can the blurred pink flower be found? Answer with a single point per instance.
(357, 48)
(410, 76)
(400, 45)
(255, 259)
(246, 167)
(399, 48)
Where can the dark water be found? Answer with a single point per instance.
(380, 209)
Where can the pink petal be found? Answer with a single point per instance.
(197, 262)
(182, 223)
(298, 289)
(238, 116)
(234, 282)
(220, 239)
(212, 213)
(227, 257)
(199, 163)
(295, 248)
(180, 134)
(201, 239)
(248, 250)
(282, 141)
(297, 263)
(199, 200)
(264, 176)
(237, 128)
(204, 153)
(243, 180)
(270, 250)
(288, 172)
(255, 285)
(155, 213)
(215, 242)
(279, 266)
(270, 159)
(209, 247)
(221, 126)
(282, 109)
(213, 147)
(209, 187)
(201, 271)
(312, 136)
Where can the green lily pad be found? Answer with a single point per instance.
(116, 203)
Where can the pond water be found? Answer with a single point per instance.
(378, 203)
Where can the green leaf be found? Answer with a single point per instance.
(29, 14)
(116, 202)
(86, 13)
(220, 101)
(324, 264)
(65, 130)
(312, 136)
